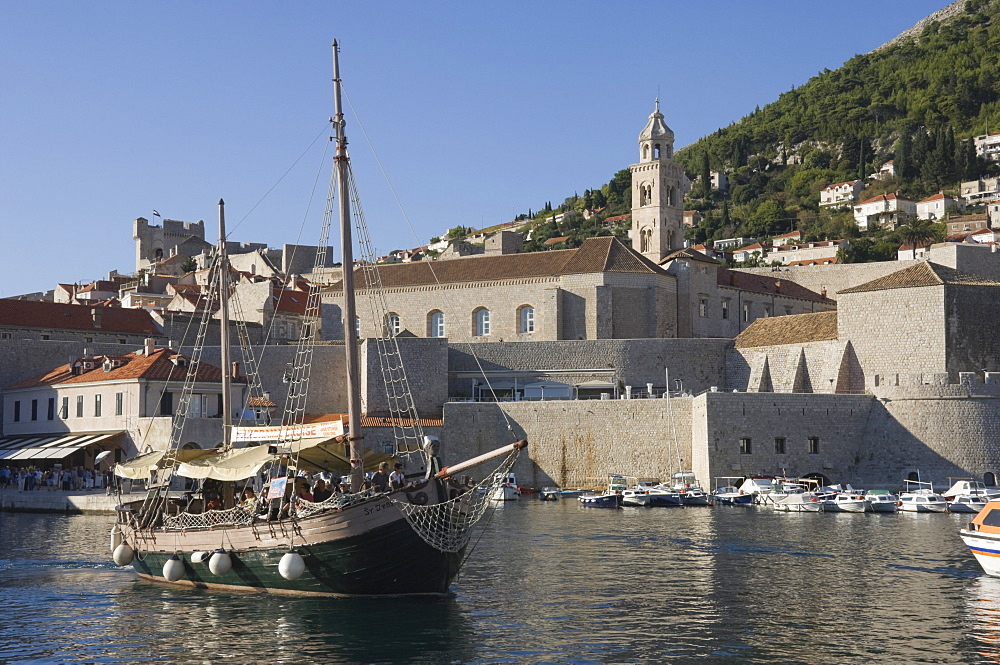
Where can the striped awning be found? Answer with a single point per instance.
(49, 446)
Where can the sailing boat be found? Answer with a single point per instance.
(410, 540)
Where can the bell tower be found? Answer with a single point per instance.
(658, 188)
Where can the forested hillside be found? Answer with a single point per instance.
(918, 102)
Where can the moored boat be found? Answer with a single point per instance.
(920, 497)
(803, 502)
(373, 540)
(982, 536)
(727, 493)
(549, 494)
(882, 501)
(612, 497)
(507, 489)
(845, 502)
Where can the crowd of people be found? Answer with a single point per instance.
(78, 479)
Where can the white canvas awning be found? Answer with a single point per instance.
(49, 446)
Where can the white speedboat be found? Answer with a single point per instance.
(635, 496)
(882, 501)
(920, 497)
(845, 502)
(507, 490)
(727, 493)
(803, 502)
(967, 503)
(969, 496)
(982, 535)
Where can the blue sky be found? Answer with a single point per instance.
(477, 110)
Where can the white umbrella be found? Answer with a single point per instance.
(101, 456)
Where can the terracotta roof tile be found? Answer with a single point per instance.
(156, 367)
(605, 254)
(746, 281)
(691, 253)
(922, 274)
(793, 329)
(58, 316)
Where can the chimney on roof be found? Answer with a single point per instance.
(95, 313)
(148, 346)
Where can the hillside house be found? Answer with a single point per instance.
(884, 210)
(841, 194)
(988, 146)
(939, 206)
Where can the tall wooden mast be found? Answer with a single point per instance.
(350, 310)
(222, 265)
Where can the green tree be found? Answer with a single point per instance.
(706, 177)
(189, 265)
(915, 231)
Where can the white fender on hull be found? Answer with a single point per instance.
(116, 537)
(220, 563)
(173, 569)
(291, 566)
(123, 554)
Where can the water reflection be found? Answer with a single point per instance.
(549, 583)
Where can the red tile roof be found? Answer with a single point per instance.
(59, 316)
(924, 273)
(156, 367)
(793, 234)
(746, 281)
(552, 241)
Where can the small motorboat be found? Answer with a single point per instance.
(507, 490)
(967, 503)
(549, 494)
(636, 496)
(882, 501)
(920, 497)
(612, 497)
(728, 494)
(845, 502)
(691, 492)
(982, 535)
(803, 502)
(969, 496)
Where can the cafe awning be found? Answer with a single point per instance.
(49, 446)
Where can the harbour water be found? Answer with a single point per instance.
(549, 583)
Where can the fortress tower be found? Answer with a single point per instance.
(658, 188)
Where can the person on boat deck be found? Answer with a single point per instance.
(249, 499)
(302, 493)
(397, 479)
(213, 503)
(380, 479)
(320, 491)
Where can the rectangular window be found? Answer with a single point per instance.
(788, 311)
(52, 409)
(45, 337)
(17, 411)
(779, 445)
(88, 339)
(64, 411)
(97, 406)
(746, 446)
(703, 307)
(167, 404)
(119, 403)
(814, 445)
(122, 340)
(79, 406)
(767, 309)
(746, 311)
(5, 335)
(34, 409)
(725, 308)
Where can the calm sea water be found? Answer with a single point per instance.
(549, 583)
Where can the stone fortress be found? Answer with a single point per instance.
(652, 358)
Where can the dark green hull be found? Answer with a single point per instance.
(389, 560)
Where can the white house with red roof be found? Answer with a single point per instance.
(988, 146)
(841, 194)
(793, 238)
(749, 252)
(886, 171)
(939, 206)
(885, 210)
(809, 253)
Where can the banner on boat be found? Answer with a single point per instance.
(324, 430)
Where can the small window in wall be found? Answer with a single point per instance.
(45, 337)
(88, 339)
(17, 411)
(119, 403)
(34, 409)
(767, 309)
(746, 311)
(526, 316)
(97, 406)
(122, 340)
(725, 308)
(392, 325)
(64, 410)
(357, 327)
(990, 479)
(813, 445)
(51, 414)
(779, 445)
(703, 307)
(5, 335)
(167, 404)
(79, 406)
(482, 322)
(788, 311)
(746, 446)
(435, 324)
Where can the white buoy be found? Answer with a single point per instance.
(116, 537)
(123, 554)
(291, 566)
(173, 569)
(199, 557)
(220, 563)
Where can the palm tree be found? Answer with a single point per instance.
(915, 231)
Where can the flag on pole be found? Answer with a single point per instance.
(156, 214)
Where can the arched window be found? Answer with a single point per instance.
(645, 152)
(913, 475)
(526, 319)
(392, 326)
(482, 322)
(435, 324)
(656, 151)
(990, 479)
